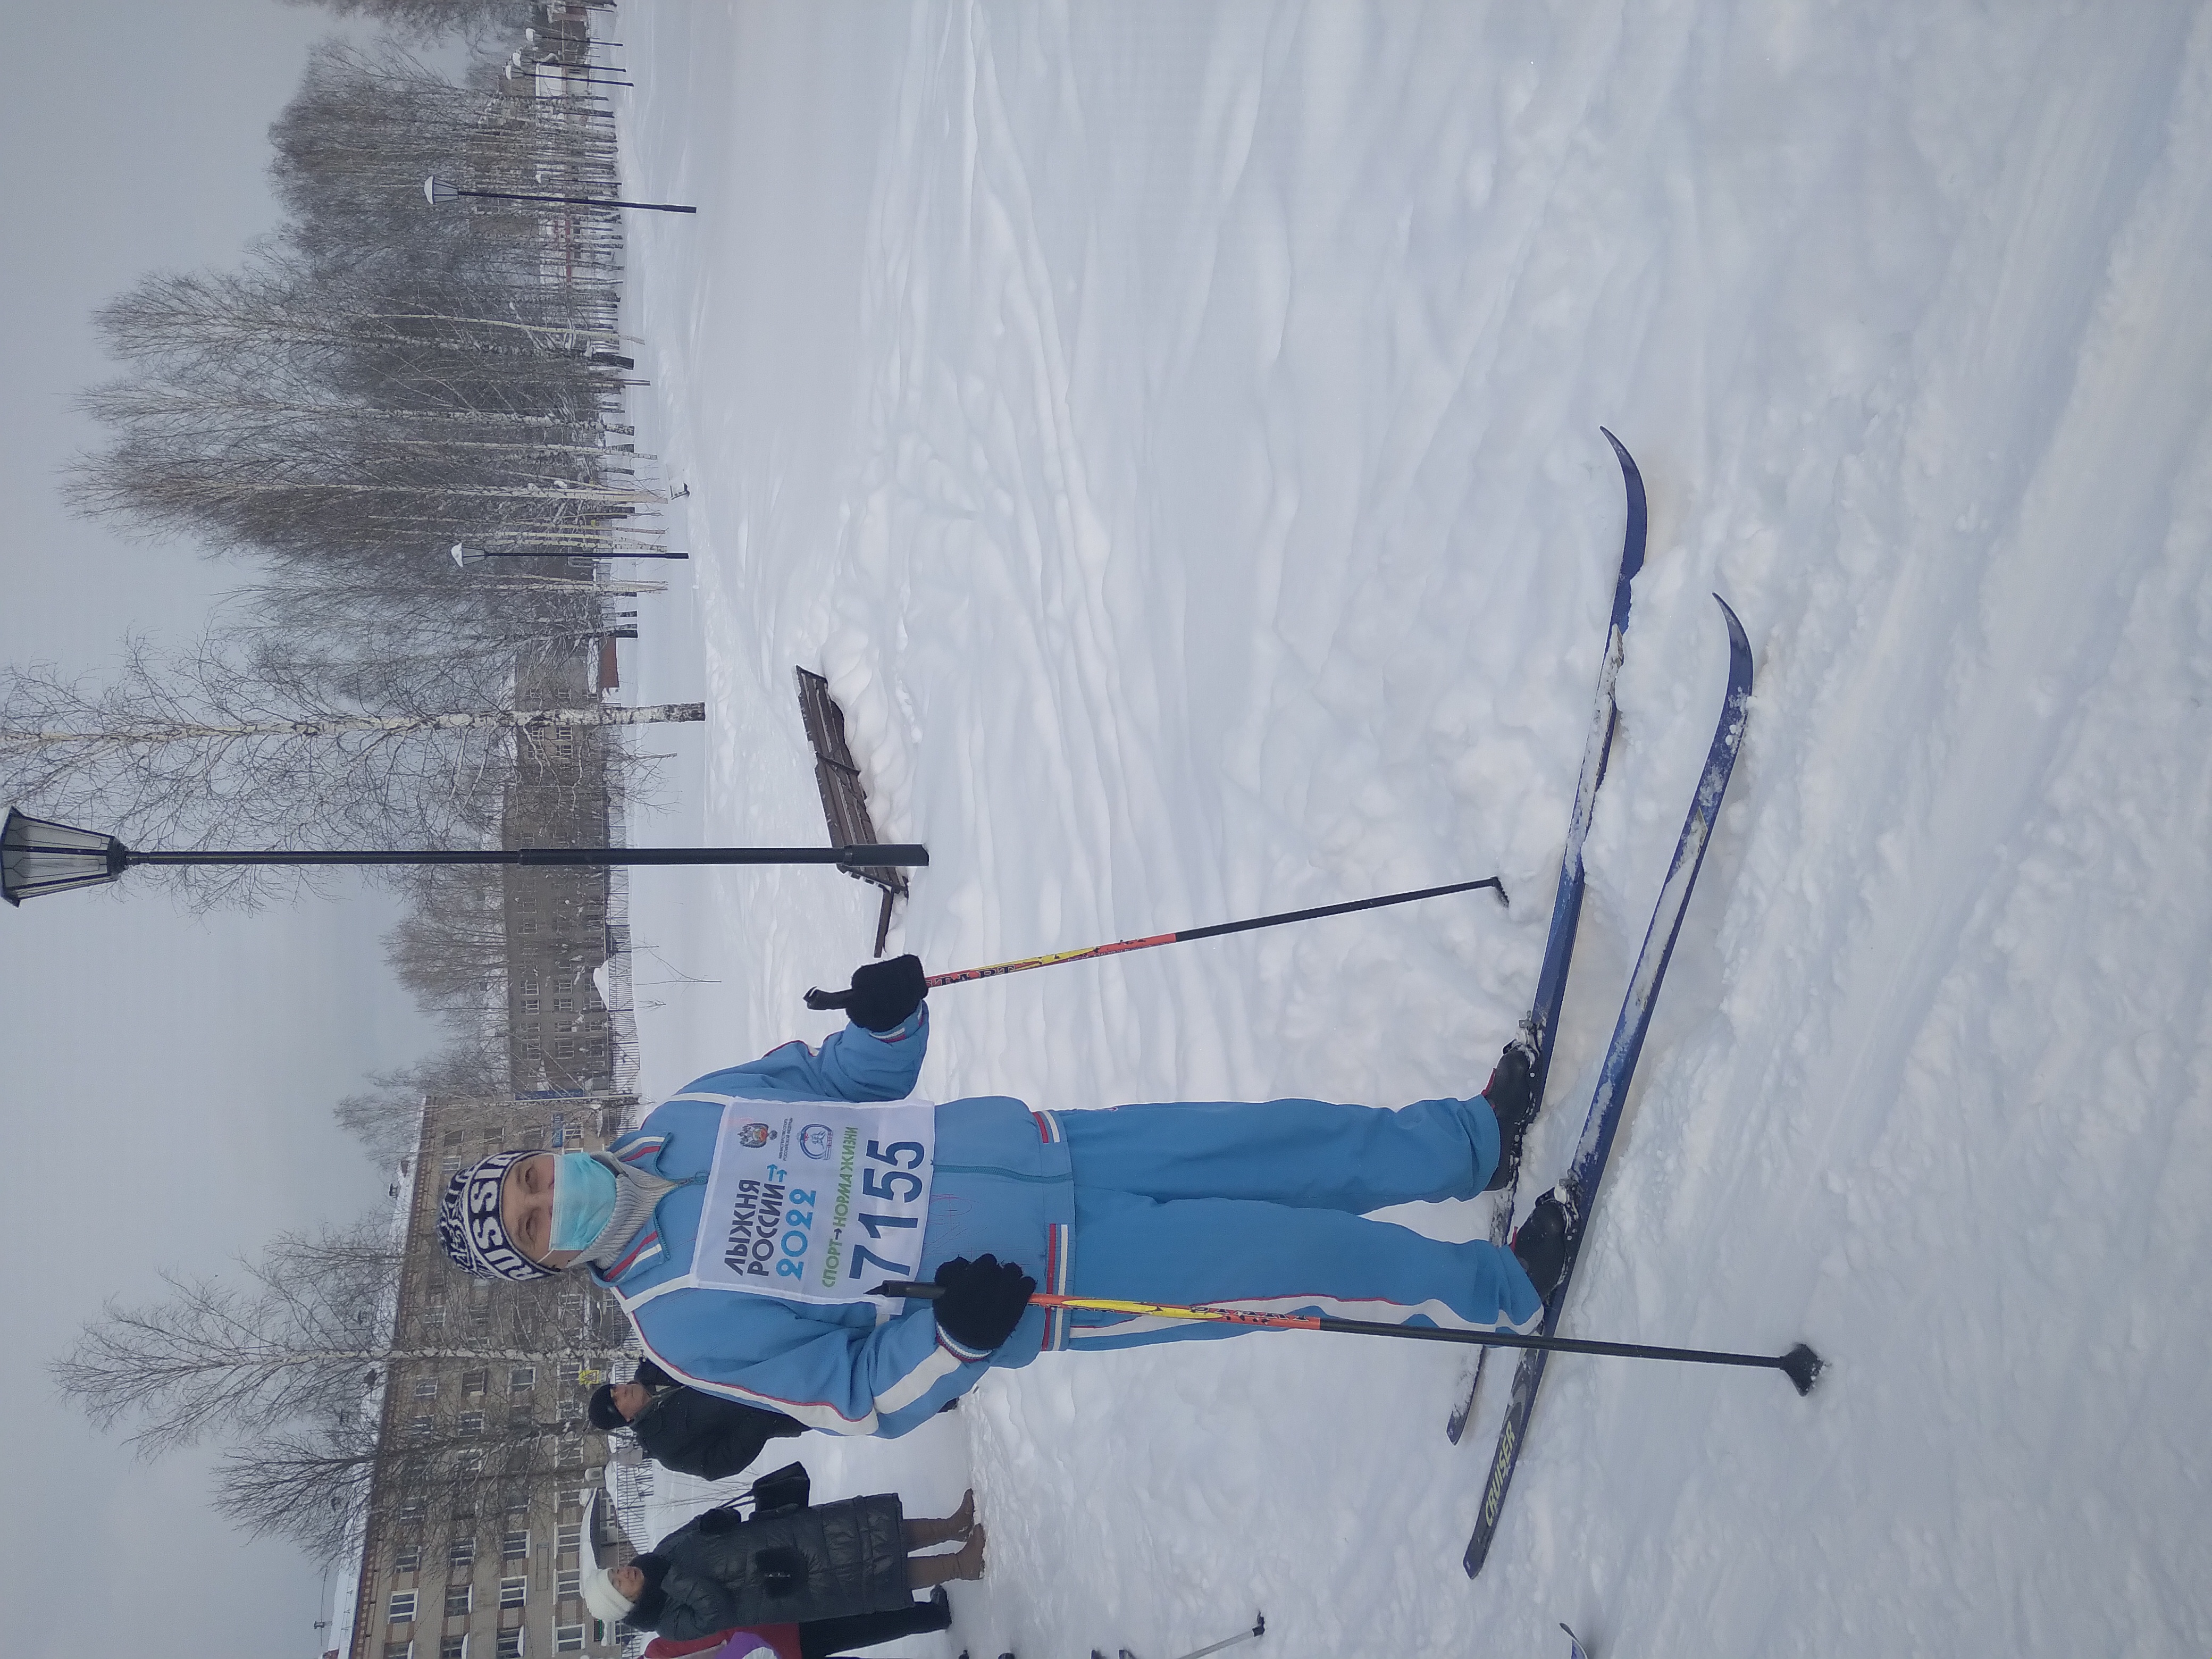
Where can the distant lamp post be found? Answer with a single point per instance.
(465, 557)
(37, 857)
(533, 37)
(519, 70)
(436, 190)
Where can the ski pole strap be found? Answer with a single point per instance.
(1801, 1364)
(1214, 932)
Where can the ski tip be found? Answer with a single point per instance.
(1620, 449)
(1575, 1649)
(1259, 1623)
(1735, 627)
(1803, 1368)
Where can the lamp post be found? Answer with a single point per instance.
(464, 556)
(436, 190)
(37, 857)
(518, 69)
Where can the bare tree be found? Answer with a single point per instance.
(387, 1117)
(299, 1367)
(298, 1340)
(255, 744)
(310, 1484)
(432, 18)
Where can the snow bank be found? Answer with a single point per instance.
(1173, 430)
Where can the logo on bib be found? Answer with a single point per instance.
(754, 1135)
(814, 1141)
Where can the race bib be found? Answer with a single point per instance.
(815, 1200)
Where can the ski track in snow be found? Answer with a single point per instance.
(1173, 430)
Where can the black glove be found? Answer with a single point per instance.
(983, 1300)
(716, 1522)
(883, 994)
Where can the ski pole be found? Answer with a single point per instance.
(1801, 1364)
(821, 999)
(1259, 1628)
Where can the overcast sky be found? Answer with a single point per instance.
(168, 1080)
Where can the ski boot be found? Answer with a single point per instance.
(1542, 1244)
(1511, 1092)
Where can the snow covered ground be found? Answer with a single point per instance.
(1174, 430)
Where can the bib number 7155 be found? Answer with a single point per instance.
(901, 1157)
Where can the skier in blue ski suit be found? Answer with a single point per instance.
(1257, 1205)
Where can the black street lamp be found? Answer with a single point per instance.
(465, 556)
(37, 857)
(518, 70)
(436, 190)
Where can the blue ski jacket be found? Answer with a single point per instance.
(1002, 1185)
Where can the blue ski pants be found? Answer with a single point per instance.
(1262, 1206)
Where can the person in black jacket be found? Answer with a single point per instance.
(685, 1430)
(802, 1565)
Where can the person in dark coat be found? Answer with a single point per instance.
(801, 1566)
(684, 1430)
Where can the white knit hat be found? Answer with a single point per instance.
(601, 1596)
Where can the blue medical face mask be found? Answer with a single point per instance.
(584, 1193)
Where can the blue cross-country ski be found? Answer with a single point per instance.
(1588, 1167)
(1539, 1025)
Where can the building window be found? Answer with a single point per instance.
(568, 1638)
(469, 1463)
(510, 1644)
(407, 1560)
(434, 1318)
(571, 1373)
(426, 1388)
(572, 1455)
(571, 1539)
(515, 1547)
(418, 1426)
(461, 1552)
(522, 1376)
(469, 1423)
(564, 1004)
(402, 1607)
(448, 1168)
(454, 1647)
(411, 1512)
(513, 1592)
(399, 1650)
(460, 1600)
(476, 1382)
(567, 1584)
